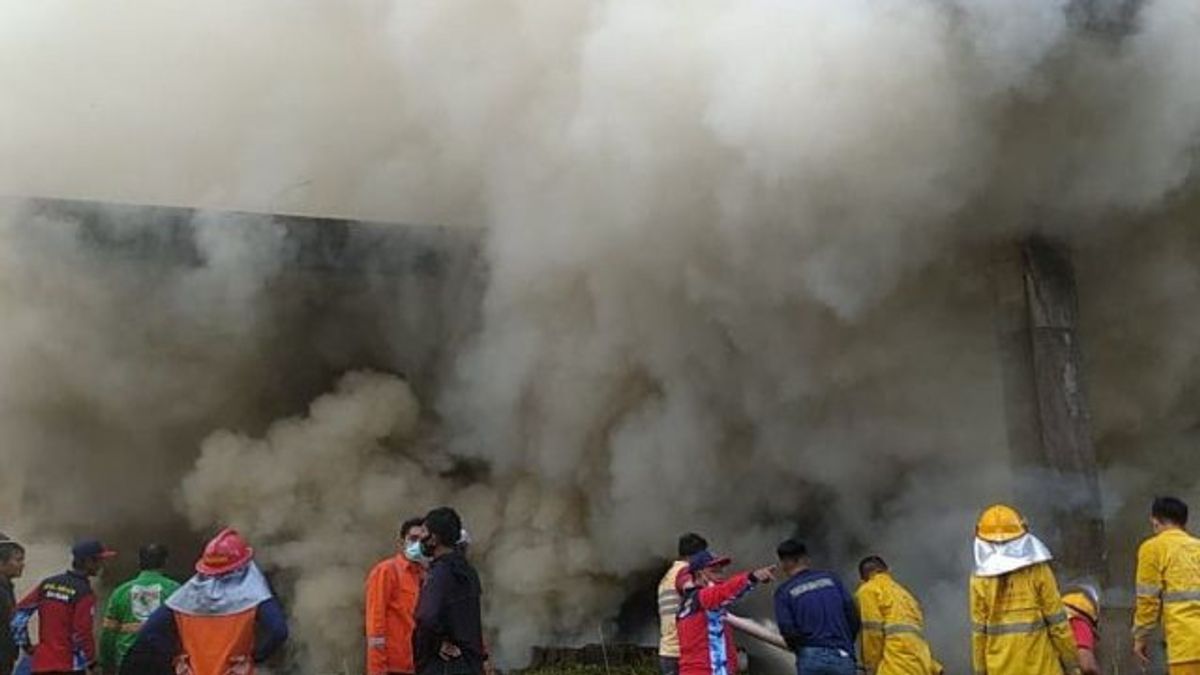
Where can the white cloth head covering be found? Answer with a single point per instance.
(992, 560)
(222, 595)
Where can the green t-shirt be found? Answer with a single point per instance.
(128, 608)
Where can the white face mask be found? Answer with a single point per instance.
(412, 551)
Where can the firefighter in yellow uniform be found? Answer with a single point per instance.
(1019, 625)
(1168, 586)
(893, 627)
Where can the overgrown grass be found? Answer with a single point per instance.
(640, 668)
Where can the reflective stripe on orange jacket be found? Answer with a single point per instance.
(216, 645)
(392, 591)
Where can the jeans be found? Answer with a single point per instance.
(668, 665)
(825, 661)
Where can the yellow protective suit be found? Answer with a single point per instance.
(893, 640)
(1168, 586)
(1019, 625)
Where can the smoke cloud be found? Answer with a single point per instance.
(738, 259)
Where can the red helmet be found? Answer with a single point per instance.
(227, 552)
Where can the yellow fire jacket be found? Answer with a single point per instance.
(893, 640)
(1168, 586)
(1019, 625)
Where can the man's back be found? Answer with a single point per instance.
(1019, 624)
(129, 606)
(65, 606)
(893, 629)
(813, 609)
(1168, 580)
(213, 624)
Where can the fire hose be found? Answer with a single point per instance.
(757, 631)
(762, 633)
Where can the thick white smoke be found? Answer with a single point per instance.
(738, 272)
(315, 495)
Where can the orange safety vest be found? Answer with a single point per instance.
(216, 645)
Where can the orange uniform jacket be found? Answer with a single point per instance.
(392, 590)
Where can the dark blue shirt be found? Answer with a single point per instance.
(448, 610)
(813, 609)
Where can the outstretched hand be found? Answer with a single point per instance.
(764, 575)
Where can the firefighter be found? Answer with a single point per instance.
(1168, 586)
(1019, 624)
(1083, 610)
(393, 587)
(225, 619)
(893, 627)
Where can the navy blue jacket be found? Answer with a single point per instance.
(813, 609)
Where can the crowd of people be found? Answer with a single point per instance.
(423, 609)
(1020, 622)
(423, 612)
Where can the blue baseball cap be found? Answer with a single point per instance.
(706, 560)
(91, 548)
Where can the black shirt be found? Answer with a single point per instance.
(448, 610)
(8, 605)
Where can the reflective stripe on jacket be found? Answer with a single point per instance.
(668, 606)
(1168, 586)
(893, 640)
(393, 588)
(1019, 625)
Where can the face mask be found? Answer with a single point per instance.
(415, 552)
(428, 547)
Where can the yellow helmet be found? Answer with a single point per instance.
(1083, 601)
(1000, 523)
